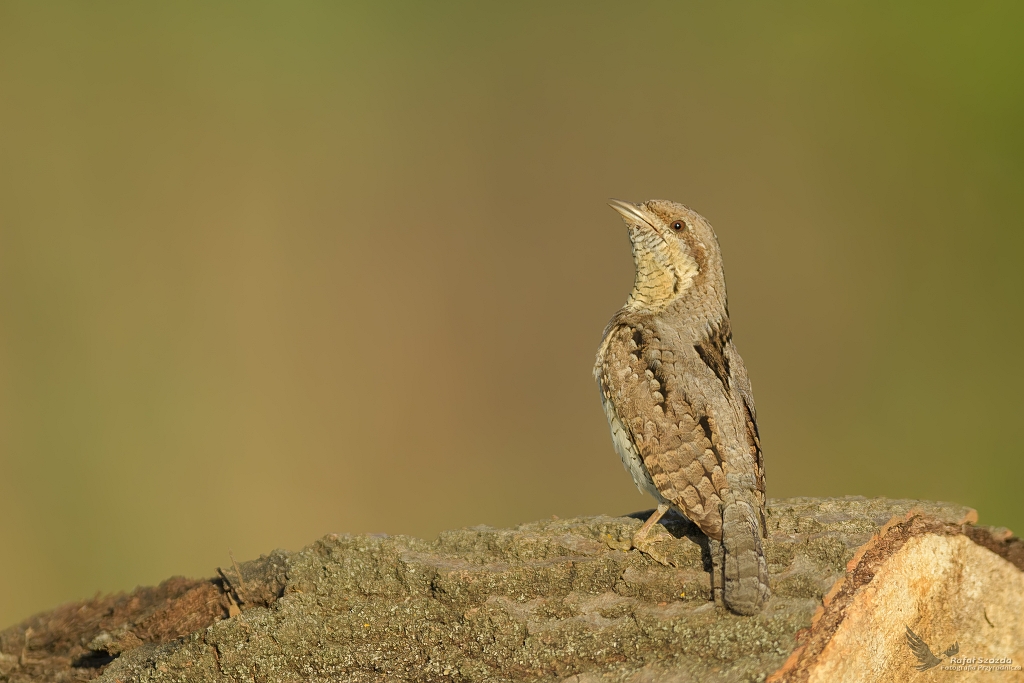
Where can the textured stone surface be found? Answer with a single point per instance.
(929, 580)
(948, 590)
(550, 600)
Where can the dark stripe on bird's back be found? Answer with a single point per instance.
(712, 350)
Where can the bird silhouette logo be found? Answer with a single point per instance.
(924, 654)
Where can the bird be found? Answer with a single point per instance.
(926, 658)
(678, 399)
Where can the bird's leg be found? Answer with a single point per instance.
(646, 545)
(655, 517)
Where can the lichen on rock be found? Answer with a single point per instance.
(544, 601)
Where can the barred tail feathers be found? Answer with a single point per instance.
(739, 568)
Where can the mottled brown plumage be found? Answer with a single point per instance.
(678, 399)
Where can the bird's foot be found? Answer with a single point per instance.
(652, 546)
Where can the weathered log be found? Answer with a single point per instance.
(564, 600)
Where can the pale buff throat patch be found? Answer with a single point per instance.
(663, 273)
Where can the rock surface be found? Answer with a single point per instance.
(561, 599)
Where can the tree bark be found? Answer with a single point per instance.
(565, 600)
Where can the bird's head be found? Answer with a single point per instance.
(674, 249)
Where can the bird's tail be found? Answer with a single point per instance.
(739, 570)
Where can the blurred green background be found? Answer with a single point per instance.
(270, 271)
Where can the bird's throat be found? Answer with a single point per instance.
(658, 283)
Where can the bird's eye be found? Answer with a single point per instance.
(678, 225)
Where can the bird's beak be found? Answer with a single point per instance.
(630, 212)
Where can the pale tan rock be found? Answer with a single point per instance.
(946, 589)
(926, 577)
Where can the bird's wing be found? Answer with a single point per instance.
(741, 382)
(921, 650)
(675, 441)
